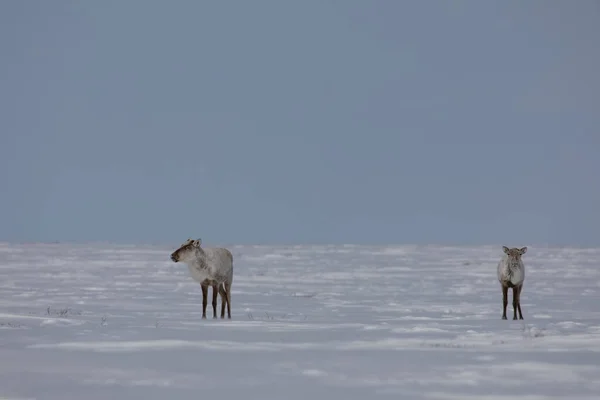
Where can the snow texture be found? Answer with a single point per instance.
(321, 322)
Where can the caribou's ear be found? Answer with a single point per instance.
(198, 242)
(523, 250)
(506, 249)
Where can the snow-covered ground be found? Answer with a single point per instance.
(308, 322)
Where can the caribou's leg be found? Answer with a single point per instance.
(515, 293)
(504, 300)
(519, 301)
(228, 294)
(204, 298)
(215, 293)
(223, 299)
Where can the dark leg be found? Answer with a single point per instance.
(223, 299)
(504, 300)
(215, 290)
(204, 299)
(228, 294)
(515, 293)
(519, 301)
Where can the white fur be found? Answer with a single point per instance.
(213, 263)
(509, 271)
(218, 265)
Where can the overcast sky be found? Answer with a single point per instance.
(458, 122)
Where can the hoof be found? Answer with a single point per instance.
(504, 317)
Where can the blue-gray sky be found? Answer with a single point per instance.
(309, 121)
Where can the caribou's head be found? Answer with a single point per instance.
(187, 251)
(514, 254)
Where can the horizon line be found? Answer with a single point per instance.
(219, 243)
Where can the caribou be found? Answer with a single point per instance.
(511, 274)
(209, 266)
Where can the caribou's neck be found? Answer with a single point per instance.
(200, 260)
